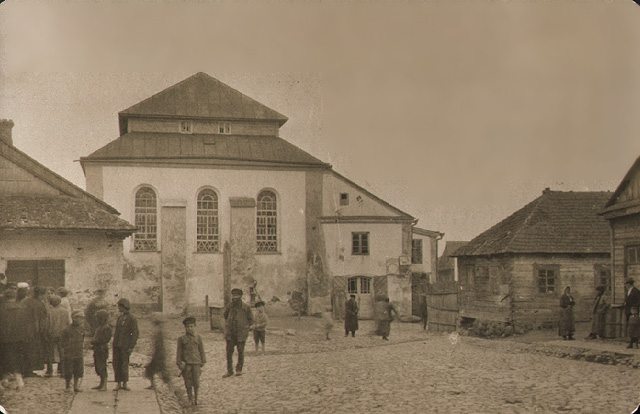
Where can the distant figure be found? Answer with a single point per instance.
(634, 328)
(58, 322)
(72, 340)
(98, 302)
(631, 298)
(35, 328)
(351, 316)
(327, 322)
(260, 321)
(100, 345)
(385, 314)
(158, 362)
(11, 337)
(598, 313)
(124, 340)
(4, 282)
(64, 300)
(566, 326)
(190, 358)
(238, 319)
(424, 312)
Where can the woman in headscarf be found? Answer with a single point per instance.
(566, 325)
(598, 313)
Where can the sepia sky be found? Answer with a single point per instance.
(457, 112)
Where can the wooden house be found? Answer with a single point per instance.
(515, 272)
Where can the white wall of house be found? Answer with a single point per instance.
(428, 258)
(360, 203)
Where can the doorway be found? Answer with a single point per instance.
(45, 273)
(361, 286)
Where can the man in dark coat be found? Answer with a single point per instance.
(351, 316)
(11, 335)
(631, 298)
(35, 328)
(238, 319)
(124, 340)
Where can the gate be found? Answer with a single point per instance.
(442, 306)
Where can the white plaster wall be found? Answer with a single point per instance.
(332, 186)
(182, 185)
(91, 260)
(385, 242)
(427, 259)
(399, 291)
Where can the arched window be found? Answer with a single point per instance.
(267, 222)
(207, 234)
(146, 237)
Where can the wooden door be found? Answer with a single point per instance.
(361, 286)
(36, 272)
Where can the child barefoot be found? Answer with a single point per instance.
(327, 322)
(72, 341)
(260, 325)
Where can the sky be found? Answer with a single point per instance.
(456, 112)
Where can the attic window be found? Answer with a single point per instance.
(344, 199)
(186, 127)
(223, 128)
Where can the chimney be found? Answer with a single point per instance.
(546, 190)
(5, 131)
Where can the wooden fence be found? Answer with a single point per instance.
(442, 306)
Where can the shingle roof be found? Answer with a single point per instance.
(58, 213)
(445, 261)
(555, 222)
(203, 96)
(183, 147)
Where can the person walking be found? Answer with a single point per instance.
(238, 319)
(598, 313)
(158, 362)
(566, 325)
(385, 314)
(351, 316)
(124, 340)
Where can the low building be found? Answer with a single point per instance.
(516, 271)
(53, 233)
(446, 262)
(622, 211)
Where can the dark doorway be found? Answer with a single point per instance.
(418, 291)
(36, 272)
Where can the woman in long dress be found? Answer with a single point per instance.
(566, 327)
(599, 313)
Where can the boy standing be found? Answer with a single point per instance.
(190, 358)
(125, 338)
(100, 343)
(72, 340)
(260, 325)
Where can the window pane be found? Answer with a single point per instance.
(145, 220)
(207, 233)
(267, 222)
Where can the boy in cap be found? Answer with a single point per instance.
(58, 321)
(260, 325)
(124, 340)
(238, 319)
(100, 343)
(190, 358)
(72, 340)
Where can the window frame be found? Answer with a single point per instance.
(555, 268)
(344, 199)
(224, 128)
(146, 241)
(267, 242)
(414, 259)
(188, 129)
(209, 240)
(360, 248)
(636, 250)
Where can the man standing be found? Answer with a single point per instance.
(124, 340)
(351, 316)
(238, 319)
(35, 329)
(97, 303)
(631, 298)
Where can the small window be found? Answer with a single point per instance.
(360, 244)
(365, 285)
(416, 251)
(207, 234)
(223, 128)
(481, 279)
(359, 285)
(602, 275)
(547, 278)
(186, 127)
(145, 238)
(267, 222)
(632, 255)
(352, 285)
(344, 199)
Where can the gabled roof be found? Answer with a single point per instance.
(613, 205)
(427, 233)
(210, 148)
(54, 180)
(445, 261)
(202, 96)
(555, 222)
(58, 213)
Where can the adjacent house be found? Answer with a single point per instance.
(52, 233)
(516, 271)
(622, 211)
(220, 200)
(446, 263)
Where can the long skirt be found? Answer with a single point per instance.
(598, 323)
(351, 323)
(384, 328)
(566, 325)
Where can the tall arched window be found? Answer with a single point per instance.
(267, 222)
(207, 234)
(146, 237)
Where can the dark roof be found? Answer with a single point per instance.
(58, 213)
(202, 96)
(555, 222)
(54, 180)
(613, 207)
(212, 147)
(445, 261)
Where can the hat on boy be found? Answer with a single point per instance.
(259, 303)
(189, 320)
(124, 303)
(236, 291)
